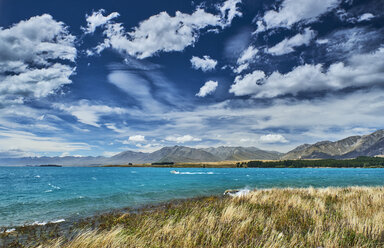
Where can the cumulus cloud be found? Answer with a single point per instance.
(89, 114)
(162, 32)
(288, 44)
(273, 138)
(205, 63)
(33, 56)
(360, 70)
(248, 84)
(229, 10)
(137, 138)
(208, 88)
(97, 19)
(182, 139)
(293, 11)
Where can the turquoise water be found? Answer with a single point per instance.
(38, 195)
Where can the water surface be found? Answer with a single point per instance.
(41, 194)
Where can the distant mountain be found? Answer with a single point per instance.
(242, 153)
(166, 154)
(187, 154)
(351, 147)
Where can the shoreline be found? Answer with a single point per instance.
(22, 235)
(33, 235)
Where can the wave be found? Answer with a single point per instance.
(192, 173)
(54, 186)
(238, 193)
(43, 223)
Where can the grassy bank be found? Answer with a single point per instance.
(330, 217)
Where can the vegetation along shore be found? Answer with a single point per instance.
(359, 162)
(288, 217)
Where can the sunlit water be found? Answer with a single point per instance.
(38, 195)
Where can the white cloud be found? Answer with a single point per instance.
(12, 140)
(248, 83)
(273, 138)
(137, 138)
(229, 11)
(90, 114)
(322, 41)
(366, 17)
(97, 19)
(205, 63)
(182, 139)
(164, 33)
(208, 88)
(16, 153)
(288, 45)
(159, 33)
(248, 55)
(241, 68)
(293, 11)
(137, 87)
(27, 52)
(359, 71)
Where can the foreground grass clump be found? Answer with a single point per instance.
(330, 217)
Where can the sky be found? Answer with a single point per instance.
(89, 78)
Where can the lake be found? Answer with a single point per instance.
(42, 194)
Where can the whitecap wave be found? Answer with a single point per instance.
(57, 221)
(54, 186)
(37, 176)
(238, 193)
(38, 223)
(10, 230)
(192, 173)
(43, 223)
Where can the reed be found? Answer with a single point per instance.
(305, 217)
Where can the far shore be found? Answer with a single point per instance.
(359, 162)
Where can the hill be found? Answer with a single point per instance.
(351, 147)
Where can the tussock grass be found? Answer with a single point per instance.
(310, 217)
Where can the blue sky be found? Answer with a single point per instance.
(100, 77)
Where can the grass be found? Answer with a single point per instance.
(308, 217)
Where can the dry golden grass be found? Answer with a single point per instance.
(329, 217)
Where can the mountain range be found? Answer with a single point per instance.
(351, 147)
